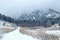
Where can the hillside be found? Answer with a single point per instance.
(45, 18)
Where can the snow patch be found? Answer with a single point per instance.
(57, 32)
(16, 35)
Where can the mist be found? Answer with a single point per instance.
(14, 8)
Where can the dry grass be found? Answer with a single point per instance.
(38, 34)
(53, 28)
(48, 28)
(7, 29)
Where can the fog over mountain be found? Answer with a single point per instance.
(14, 8)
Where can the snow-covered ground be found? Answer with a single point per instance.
(16, 35)
(57, 32)
(5, 24)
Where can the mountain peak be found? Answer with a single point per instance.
(37, 14)
(52, 10)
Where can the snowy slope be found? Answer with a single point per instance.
(38, 14)
(5, 23)
(16, 35)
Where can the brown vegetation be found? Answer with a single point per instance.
(39, 34)
(7, 29)
(53, 28)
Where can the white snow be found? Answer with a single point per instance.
(34, 18)
(57, 32)
(5, 24)
(16, 35)
(49, 15)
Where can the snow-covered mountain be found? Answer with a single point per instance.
(52, 13)
(38, 14)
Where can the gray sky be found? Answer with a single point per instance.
(14, 8)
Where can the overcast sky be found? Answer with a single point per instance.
(14, 8)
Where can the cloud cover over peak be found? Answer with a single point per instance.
(14, 8)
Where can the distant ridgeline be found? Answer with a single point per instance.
(40, 18)
(35, 19)
(6, 18)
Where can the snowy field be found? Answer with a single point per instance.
(57, 32)
(17, 35)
